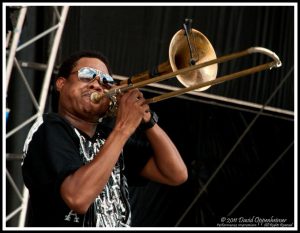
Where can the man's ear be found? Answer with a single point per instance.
(60, 81)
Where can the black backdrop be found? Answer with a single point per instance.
(136, 38)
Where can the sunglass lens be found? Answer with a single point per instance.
(86, 74)
(106, 79)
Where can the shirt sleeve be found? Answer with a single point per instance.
(52, 155)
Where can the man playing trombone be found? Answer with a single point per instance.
(77, 169)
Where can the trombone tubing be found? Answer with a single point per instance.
(275, 63)
(212, 82)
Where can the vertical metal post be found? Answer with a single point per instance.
(52, 58)
(16, 36)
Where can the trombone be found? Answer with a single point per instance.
(195, 66)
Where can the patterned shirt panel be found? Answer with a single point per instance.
(111, 207)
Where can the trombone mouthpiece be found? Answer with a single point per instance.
(95, 97)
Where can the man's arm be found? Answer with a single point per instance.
(166, 165)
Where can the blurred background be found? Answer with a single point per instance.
(236, 138)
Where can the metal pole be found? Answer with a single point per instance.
(52, 58)
(15, 41)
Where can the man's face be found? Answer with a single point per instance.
(75, 94)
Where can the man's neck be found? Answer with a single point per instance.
(86, 126)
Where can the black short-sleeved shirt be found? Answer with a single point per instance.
(53, 150)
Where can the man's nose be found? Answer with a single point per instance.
(98, 79)
(96, 83)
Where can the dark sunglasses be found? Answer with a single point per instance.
(87, 74)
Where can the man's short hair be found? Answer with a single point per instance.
(67, 66)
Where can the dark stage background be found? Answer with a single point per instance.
(135, 39)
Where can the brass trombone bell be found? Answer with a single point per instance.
(202, 51)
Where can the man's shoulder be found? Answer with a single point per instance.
(52, 118)
(53, 123)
